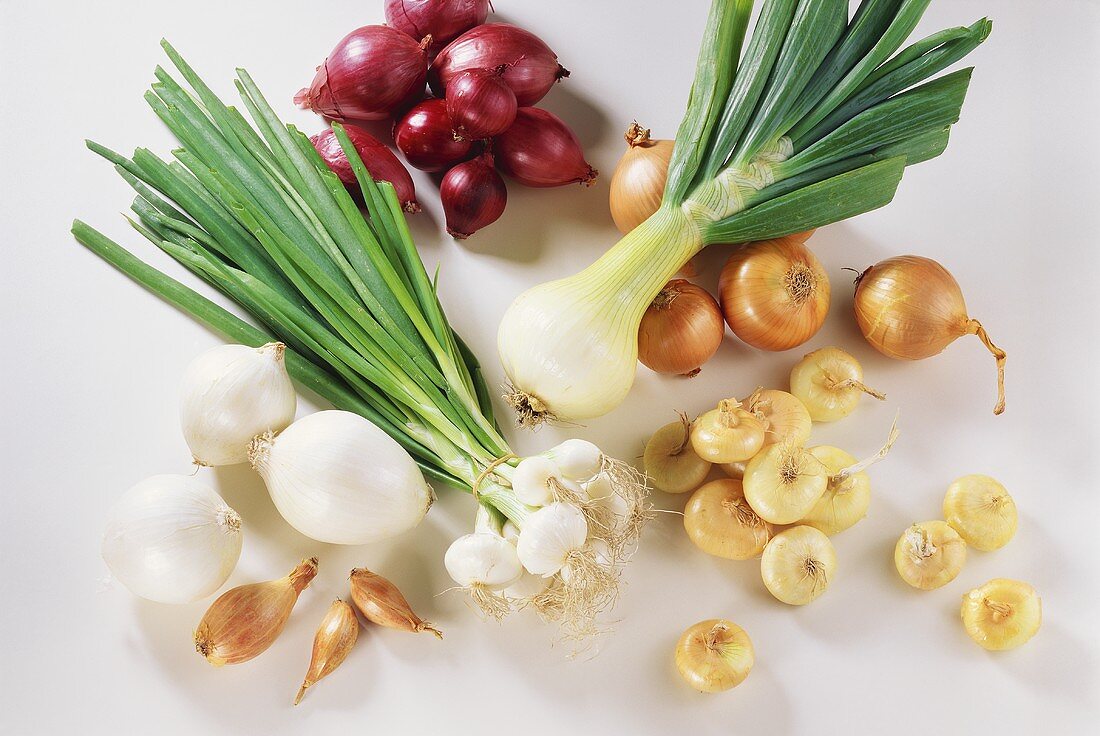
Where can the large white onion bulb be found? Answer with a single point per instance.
(172, 539)
(337, 478)
(231, 394)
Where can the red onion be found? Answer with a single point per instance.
(425, 136)
(531, 67)
(540, 150)
(473, 196)
(480, 103)
(380, 161)
(372, 72)
(443, 20)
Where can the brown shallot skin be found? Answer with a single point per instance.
(381, 603)
(243, 622)
(337, 634)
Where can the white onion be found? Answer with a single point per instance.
(337, 478)
(229, 395)
(482, 558)
(578, 459)
(527, 586)
(172, 539)
(549, 536)
(531, 481)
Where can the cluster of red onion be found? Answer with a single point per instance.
(485, 78)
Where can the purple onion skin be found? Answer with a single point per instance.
(443, 20)
(380, 161)
(540, 150)
(373, 72)
(473, 196)
(531, 70)
(426, 137)
(481, 104)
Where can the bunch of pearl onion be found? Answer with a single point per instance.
(573, 517)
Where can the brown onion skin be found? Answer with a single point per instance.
(760, 307)
(380, 161)
(373, 72)
(540, 150)
(532, 67)
(426, 137)
(443, 20)
(473, 196)
(681, 329)
(480, 103)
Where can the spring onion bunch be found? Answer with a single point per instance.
(253, 210)
(812, 124)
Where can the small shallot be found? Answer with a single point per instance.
(540, 150)
(373, 72)
(381, 603)
(426, 136)
(480, 103)
(681, 329)
(243, 622)
(532, 67)
(332, 644)
(473, 195)
(380, 161)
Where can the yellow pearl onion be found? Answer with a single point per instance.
(845, 500)
(714, 655)
(981, 511)
(671, 462)
(784, 482)
(829, 382)
(784, 415)
(929, 555)
(798, 565)
(720, 521)
(727, 434)
(1002, 614)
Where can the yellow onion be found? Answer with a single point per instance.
(981, 511)
(829, 382)
(670, 461)
(1002, 614)
(734, 469)
(727, 434)
(783, 482)
(714, 655)
(638, 183)
(720, 521)
(846, 497)
(929, 555)
(910, 307)
(785, 417)
(774, 293)
(798, 565)
(680, 330)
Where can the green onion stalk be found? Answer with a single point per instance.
(251, 209)
(813, 123)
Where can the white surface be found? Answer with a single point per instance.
(91, 363)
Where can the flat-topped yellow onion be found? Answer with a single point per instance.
(714, 655)
(981, 511)
(727, 434)
(783, 482)
(784, 415)
(720, 521)
(798, 564)
(929, 555)
(845, 500)
(1002, 614)
(671, 462)
(829, 382)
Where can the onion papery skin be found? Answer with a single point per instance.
(532, 67)
(443, 20)
(540, 150)
(774, 293)
(473, 195)
(681, 330)
(380, 161)
(638, 184)
(425, 136)
(373, 72)
(480, 104)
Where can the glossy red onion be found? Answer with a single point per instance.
(373, 72)
(531, 67)
(480, 103)
(443, 20)
(540, 150)
(426, 137)
(473, 196)
(380, 161)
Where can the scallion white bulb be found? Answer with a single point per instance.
(534, 478)
(549, 536)
(337, 478)
(172, 539)
(482, 559)
(231, 394)
(578, 460)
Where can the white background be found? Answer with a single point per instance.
(90, 365)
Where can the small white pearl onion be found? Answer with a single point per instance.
(527, 586)
(601, 490)
(578, 460)
(510, 532)
(172, 539)
(482, 558)
(229, 395)
(549, 535)
(531, 481)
